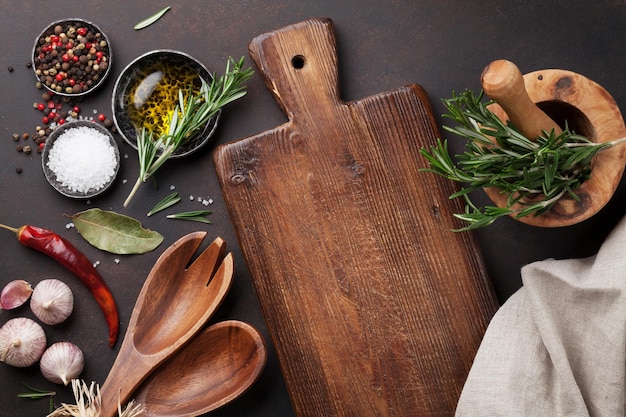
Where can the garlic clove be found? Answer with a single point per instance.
(62, 362)
(22, 342)
(14, 294)
(52, 301)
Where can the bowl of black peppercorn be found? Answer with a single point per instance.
(71, 57)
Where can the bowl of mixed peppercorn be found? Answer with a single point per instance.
(71, 57)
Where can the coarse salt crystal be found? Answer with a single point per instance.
(83, 159)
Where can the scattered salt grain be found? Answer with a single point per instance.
(83, 159)
(205, 202)
(69, 225)
(191, 198)
(116, 260)
(172, 187)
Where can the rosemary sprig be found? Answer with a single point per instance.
(534, 174)
(168, 201)
(196, 216)
(187, 118)
(36, 394)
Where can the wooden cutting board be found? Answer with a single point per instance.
(375, 307)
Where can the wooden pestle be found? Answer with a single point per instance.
(502, 81)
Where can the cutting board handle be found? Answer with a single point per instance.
(299, 63)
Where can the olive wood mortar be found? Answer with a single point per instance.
(545, 100)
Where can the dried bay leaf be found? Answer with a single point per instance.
(115, 233)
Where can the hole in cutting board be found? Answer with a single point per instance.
(298, 61)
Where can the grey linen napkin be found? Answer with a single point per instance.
(557, 346)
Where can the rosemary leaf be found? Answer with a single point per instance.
(37, 394)
(167, 201)
(150, 20)
(196, 216)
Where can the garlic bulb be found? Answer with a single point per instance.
(22, 342)
(14, 294)
(62, 362)
(52, 301)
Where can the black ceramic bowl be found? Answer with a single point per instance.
(148, 77)
(81, 173)
(72, 57)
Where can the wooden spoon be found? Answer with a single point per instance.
(216, 367)
(174, 304)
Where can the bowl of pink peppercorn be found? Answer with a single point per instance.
(71, 57)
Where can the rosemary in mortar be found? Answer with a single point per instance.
(187, 118)
(534, 174)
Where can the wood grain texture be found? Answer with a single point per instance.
(177, 299)
(220, 363)
(376, 308)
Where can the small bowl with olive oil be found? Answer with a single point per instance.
(147, 92)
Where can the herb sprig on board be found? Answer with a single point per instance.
(534, 174)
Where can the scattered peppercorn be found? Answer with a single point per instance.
(55, 114)
(18, 170)
(10, 69)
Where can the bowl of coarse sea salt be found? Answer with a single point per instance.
(80, 159)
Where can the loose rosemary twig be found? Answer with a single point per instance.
(187, 118)
(534, 174)
(36, 394)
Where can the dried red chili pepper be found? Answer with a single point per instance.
(59, 249)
